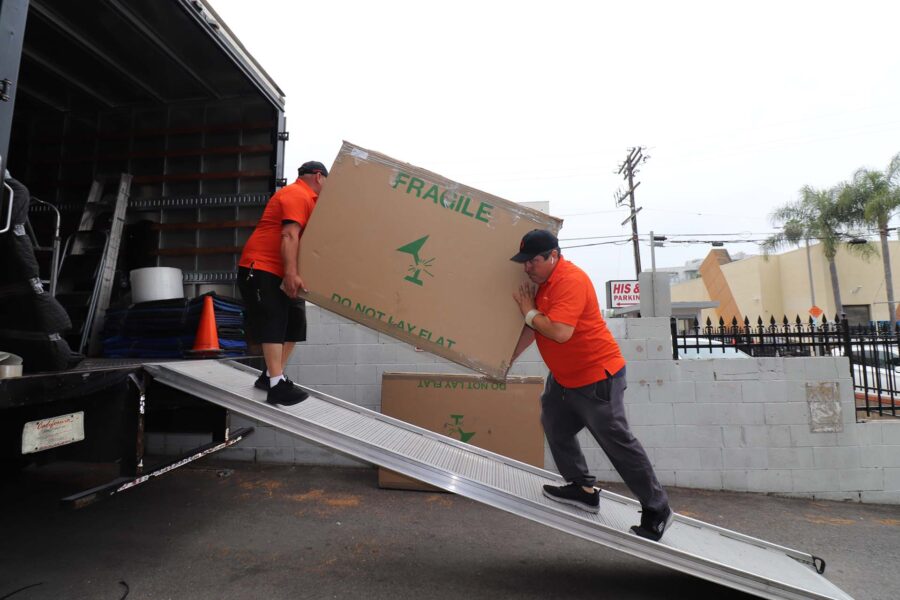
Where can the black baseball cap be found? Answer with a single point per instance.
(312, 166)
(536, 241)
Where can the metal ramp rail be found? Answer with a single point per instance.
(719, 555)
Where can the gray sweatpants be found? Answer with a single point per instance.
(600, 407)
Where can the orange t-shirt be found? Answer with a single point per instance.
(293, 202)
(568, 297)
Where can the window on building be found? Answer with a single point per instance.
(685, 325)
(858, 315)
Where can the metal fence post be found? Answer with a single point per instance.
(845, 331)
(673, 327)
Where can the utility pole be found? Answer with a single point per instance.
(656, 241)
(628, 169)
(812, 285)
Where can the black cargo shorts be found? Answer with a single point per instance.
(270, 317)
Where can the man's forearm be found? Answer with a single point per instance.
(558, 332)
(290, 251)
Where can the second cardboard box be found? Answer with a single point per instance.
(503, 417)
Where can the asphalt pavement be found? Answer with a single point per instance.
(217, 530)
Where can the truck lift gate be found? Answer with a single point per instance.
(725, 557)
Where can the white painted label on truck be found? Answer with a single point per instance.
(51, 433)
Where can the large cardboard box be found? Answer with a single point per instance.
(503, 417)
(419, 257)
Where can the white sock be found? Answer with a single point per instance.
(273, 381)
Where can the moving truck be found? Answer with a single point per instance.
(165, 95)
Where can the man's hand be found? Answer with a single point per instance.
(524, 297)
(558, 332)
(292, 285)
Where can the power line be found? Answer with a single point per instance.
(722, 234)
(720, 241)
(620, 242)
(672, 237)
(646, 238)
(593, 212)
(701, 214)
(592, 237)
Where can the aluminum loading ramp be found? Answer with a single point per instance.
(694, 547)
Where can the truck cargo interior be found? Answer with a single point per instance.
(161, 91)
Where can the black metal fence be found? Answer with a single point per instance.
(874, 351)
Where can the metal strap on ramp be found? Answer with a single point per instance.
(694, 547)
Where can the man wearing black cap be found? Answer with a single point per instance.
(269, 280)
(586, 385)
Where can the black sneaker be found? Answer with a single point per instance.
(262, 382)
(286, 393)
(653, 523)
(573, 494)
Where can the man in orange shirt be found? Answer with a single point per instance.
(269, 280)
(586, 385)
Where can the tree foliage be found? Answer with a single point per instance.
(817, 216)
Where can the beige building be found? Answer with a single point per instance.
(779, 285)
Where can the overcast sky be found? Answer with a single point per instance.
(739, 105)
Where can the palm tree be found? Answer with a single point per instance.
(871, 199)
(817, 215)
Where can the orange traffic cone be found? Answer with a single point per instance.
(206, 342)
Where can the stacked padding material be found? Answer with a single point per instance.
(167, 328)
(31, 320)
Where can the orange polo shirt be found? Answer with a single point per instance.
(293, 202)
(568, 297)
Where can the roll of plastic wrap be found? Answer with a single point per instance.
(156, 283)
(10, 365)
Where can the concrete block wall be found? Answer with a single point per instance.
(750, 424)
(722, 424)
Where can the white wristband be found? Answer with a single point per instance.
(530, 315)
